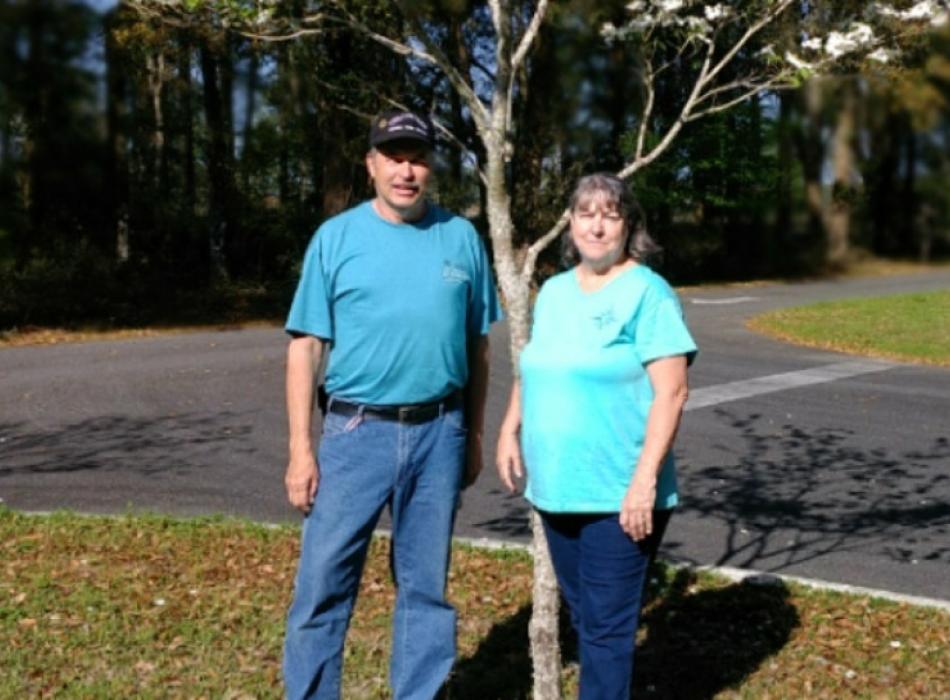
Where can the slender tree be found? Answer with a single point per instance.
(707, 40)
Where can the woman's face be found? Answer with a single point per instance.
(599, 231)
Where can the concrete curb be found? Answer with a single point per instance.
(751, 576)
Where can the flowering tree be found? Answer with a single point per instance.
(727, 52)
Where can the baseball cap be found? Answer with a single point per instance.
(400, 124)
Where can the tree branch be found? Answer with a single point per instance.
(779, 82)
(281, 37)
(767, 18)
(647, 110)
(531, 257)
(529, 35)
(639, 162)
(437, 57)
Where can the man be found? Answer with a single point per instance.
(399, 292)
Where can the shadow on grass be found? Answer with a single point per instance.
(696, 643)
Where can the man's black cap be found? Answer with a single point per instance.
(399, 124)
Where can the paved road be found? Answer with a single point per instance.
(791, 460)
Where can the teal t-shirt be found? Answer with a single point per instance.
(398, 303)
(585, 391)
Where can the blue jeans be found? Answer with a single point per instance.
(365, 464)
(601, 572)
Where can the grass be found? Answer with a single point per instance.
(907, 327)
(153, 607)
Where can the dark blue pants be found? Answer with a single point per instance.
(601, 572)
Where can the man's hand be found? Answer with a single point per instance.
(508, 459)
(301, 480)
(473, 460)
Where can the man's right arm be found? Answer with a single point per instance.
(303, 474)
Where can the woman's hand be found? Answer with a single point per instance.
(508, 459)
(636, 511)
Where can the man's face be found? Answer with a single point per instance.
(400, 172)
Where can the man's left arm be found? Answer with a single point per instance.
(475, 393)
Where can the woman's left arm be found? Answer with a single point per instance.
(668, 378)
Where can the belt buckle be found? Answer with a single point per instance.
(404, 413)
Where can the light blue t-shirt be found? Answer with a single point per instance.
(398, 302)
(585, 391)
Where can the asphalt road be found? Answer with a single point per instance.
(791, 460)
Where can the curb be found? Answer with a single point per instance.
(750, 576)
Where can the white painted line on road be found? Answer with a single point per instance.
(724, 300)
(747, 388)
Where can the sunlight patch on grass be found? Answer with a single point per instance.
(908, 327)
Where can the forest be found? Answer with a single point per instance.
(171, 166)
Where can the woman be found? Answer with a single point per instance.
(602, 388)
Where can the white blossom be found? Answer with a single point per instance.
(636, 6)
(669, 6)
(716, 12)
(642, 22)
(922, 10)
(839, 43)
(697, 25)
(798, 63)
(926, 9)
(608, 31)
(880, 55)
(813, 44)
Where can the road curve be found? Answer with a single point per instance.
(792, 460)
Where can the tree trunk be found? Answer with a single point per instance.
(515, 289)
(155, 66)
(219, 171)
(226, 75)
(284, 122)
(117, 170)
(811, 149)
(837, 219)
(910, 217)
(32, 184)
(779, 241)
(184, 76)
(250, 107)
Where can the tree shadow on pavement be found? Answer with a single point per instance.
(787, 496)
(174, 444)
(513, 523)
(693, 643)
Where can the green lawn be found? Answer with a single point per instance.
(153, 607)
(910, 327)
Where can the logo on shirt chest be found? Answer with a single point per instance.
(604, 318)
(453, 273)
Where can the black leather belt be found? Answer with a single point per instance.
(408, 413)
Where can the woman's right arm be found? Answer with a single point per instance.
(508, 451)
